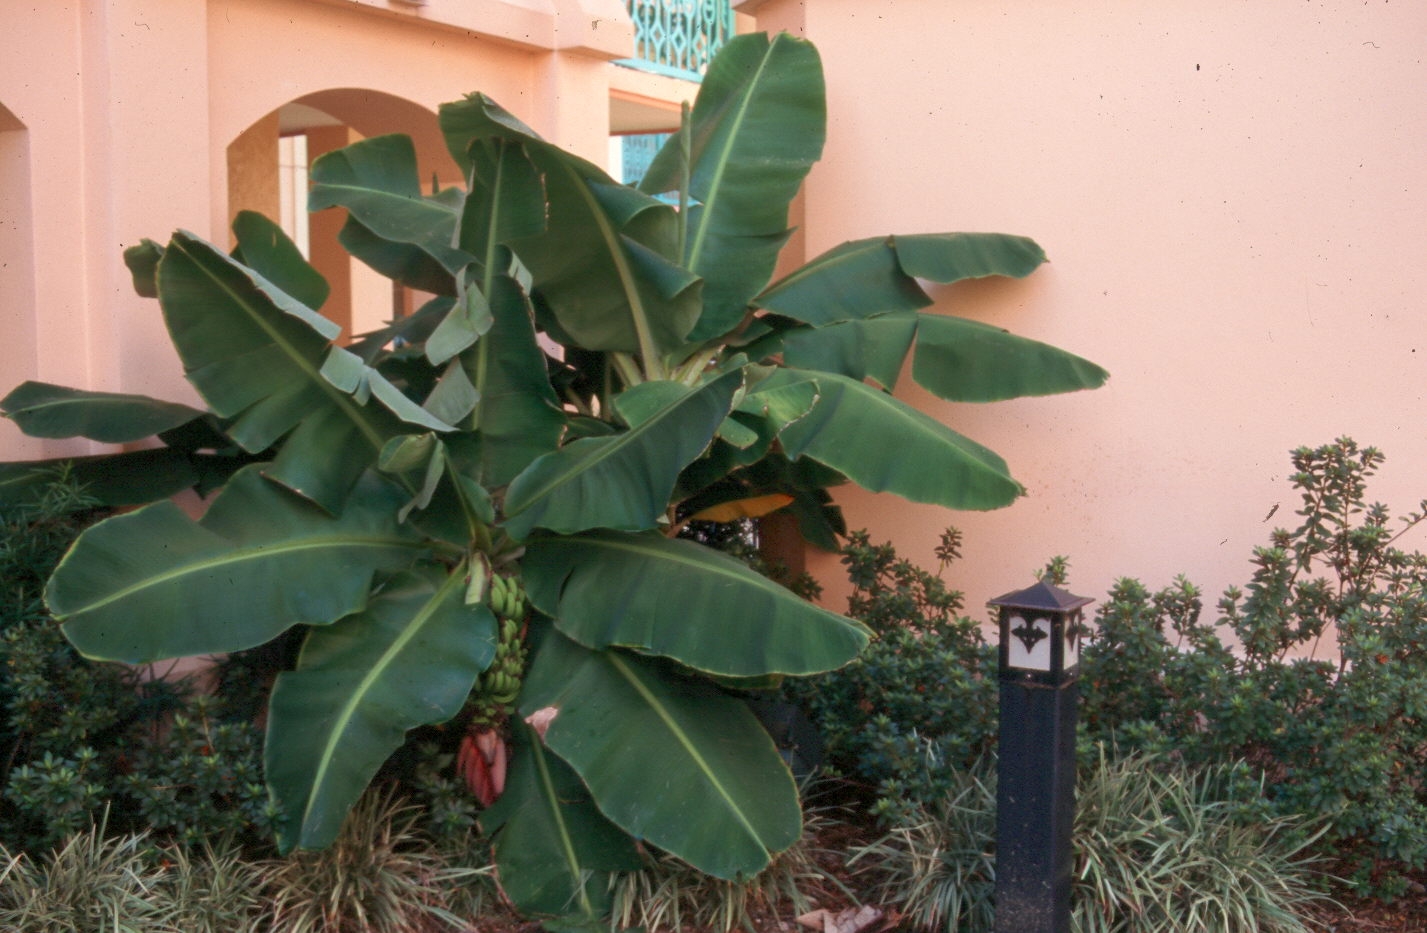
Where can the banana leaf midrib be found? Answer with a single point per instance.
(423, 202)
(702, 564)
(482, 360)
(653, 365)
(255, 552)
(348, 709)
(816, 268)
(612, 446)
(696, 247)
(683, 739)
(341, 399)
(567, 846)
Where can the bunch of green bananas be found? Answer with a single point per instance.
(498, 686)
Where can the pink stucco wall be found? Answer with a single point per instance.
(1234, 199)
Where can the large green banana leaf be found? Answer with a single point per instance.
(605, 589)
(132, 478)
(689, 768)
(264, 247)
(884, 445)
(623, 481)
(604, 266)
(758, 125)
(863, 278)
(506, 202)
(44, 410)
(553, 848)
(376, 181)
(967, 361)
(266, 360)
(133, 587)
(409, 659)
(866, 348)
(516, 413)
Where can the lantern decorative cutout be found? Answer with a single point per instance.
(1041, 630)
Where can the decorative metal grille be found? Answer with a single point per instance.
(638, 152)
(678, 37)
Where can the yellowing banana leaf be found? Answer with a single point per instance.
(44, 410)
(259, 561)
(756, 507)
(553, 848)
(967, 361)
(757, 127)
(623, 481)
(678, 763)
(884, 445)
(679, 599)
(409, 659)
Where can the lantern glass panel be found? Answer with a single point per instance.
(1028, 643)
(1074, 633)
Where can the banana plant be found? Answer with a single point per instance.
(471, 514)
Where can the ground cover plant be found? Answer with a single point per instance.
(460, 527)
(1159, 848)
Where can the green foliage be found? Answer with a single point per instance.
(920, 703)
(380, 874)
(368, 495)
(82, 737)
(1343, 737)
(1160, 848)
(126, 883)
(666, 894)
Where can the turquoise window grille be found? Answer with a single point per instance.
(638, 151)
(678, 37)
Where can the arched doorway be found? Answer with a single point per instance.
(267, 171)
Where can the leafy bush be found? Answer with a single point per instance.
(1160, 848)
(1345, 737)
(920, 702)
(80, 737)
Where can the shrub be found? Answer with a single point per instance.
(78, 738)
(1345, 737)
(921, 700)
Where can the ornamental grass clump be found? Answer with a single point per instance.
(1158, 849)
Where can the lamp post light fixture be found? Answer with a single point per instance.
(1041, 630)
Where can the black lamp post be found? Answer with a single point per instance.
(1041, 630)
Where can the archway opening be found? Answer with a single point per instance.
(268, 166)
